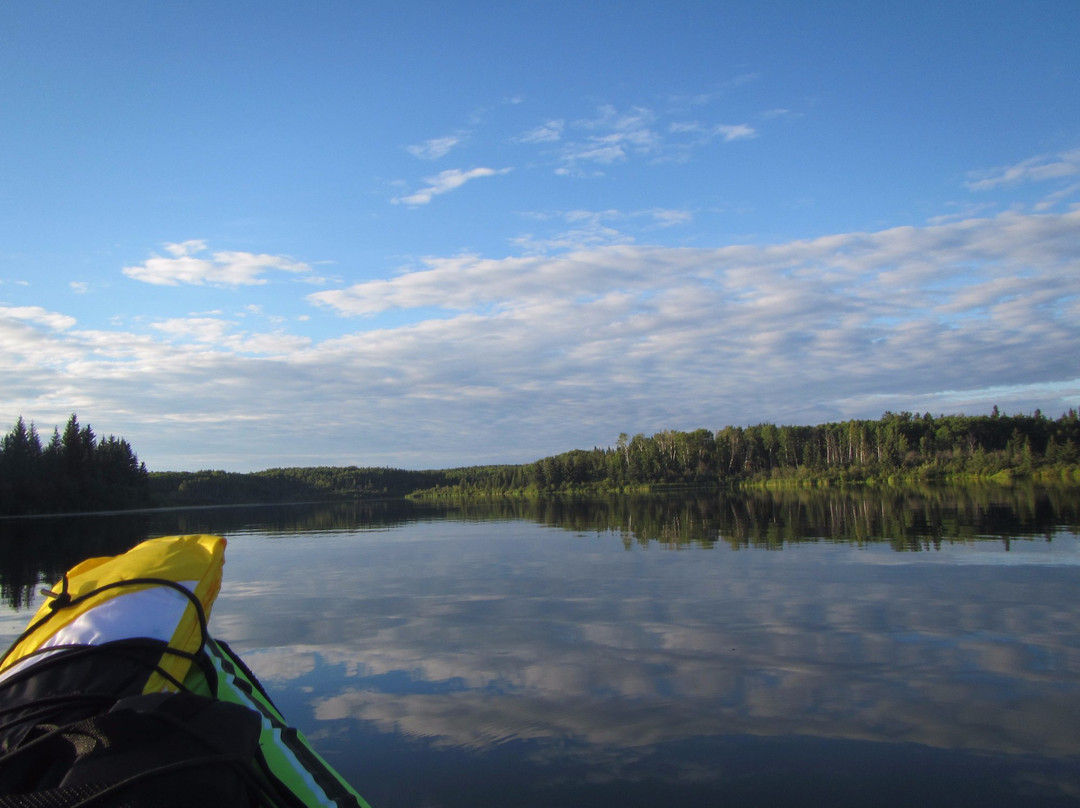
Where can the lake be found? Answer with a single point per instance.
(887, 647)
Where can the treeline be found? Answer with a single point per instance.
(897, 446)
(318, 484)
(914, 516)
(74, 471)
(77, 472)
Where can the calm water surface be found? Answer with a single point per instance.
(917, 648)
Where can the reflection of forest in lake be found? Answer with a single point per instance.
(568, 664)
(543, 651)
(40, 549)
(908, 518)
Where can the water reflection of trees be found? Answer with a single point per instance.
(40, 549)
(43, 549)
(908, 518)
(289, 519)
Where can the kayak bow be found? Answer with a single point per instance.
(117, 694)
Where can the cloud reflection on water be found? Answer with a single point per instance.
(547, 637)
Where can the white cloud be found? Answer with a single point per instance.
(36, 315)
(548, 132)
(218, 333)
(591, 229)
(964, 211)
(534, 354)
(635, 125)
(1053, 199)
(735, 132)
(434, 148)
(862, 311)
(717, 94)
(444, 182)
(223, 268)
(619, 136)
(183, 248)
(209, 330)
(667, 218)
(1035, 169)
(612, 136)
(600, 150)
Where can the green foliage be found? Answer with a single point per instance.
(179, 488)
(897, 446)
(74, 472)
(910, 517)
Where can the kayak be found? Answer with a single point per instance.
(117, 694)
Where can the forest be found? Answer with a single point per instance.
(77, 472)
(326, 483)
(74, 471)
(896, 447)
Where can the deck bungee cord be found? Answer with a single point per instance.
(117, 694)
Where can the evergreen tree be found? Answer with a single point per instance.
(73, 472)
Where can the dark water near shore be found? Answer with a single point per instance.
(914, 647)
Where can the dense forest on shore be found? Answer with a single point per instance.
(898, 446)
(77, 472)
(181, 488)
(74, 471)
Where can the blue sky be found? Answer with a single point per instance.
(419, 234)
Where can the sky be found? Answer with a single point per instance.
(426, 234)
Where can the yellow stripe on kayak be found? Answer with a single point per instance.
(193, 561)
